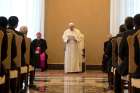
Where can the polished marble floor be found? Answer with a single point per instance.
(55, 81)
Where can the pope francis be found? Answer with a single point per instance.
(72, 38)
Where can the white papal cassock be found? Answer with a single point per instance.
(72, 50)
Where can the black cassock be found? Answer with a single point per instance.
(35, 58)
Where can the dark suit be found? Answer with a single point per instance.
(136, 74)
(107, 62)
(115, 60)
(117, 77)
(13, 55)
(123, 53)
(13, 51)
(122, 69)
(23, 47)
(3, 50)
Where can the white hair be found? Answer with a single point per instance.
(24, 29)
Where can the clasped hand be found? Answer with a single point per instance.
(71, 38)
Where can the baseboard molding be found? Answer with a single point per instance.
(61, 67)
(55, 66)
(93, 67)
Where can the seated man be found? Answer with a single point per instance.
(123, 48)
(3, 25)
(4, 46)
(12, 24)
(24, 30)
(122, 69)
(107, 60)
(107, 53)
(137, 47)
(136, 74)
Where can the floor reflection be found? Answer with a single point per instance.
(58, 82)
(73, 85)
